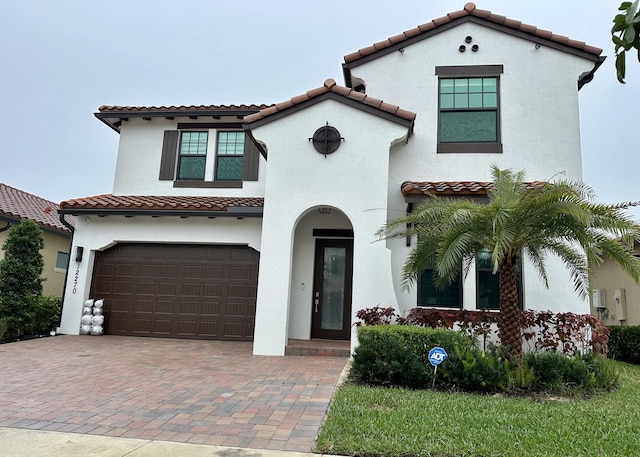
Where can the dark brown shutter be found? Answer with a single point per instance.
(169, 152)
(251, 159)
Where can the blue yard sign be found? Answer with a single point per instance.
(437, 356)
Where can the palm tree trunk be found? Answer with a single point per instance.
(509, 321)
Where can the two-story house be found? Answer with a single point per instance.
(258, 223)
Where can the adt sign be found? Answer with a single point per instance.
(437, 356)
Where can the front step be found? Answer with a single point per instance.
(318, 348)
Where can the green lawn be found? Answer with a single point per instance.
(368, 421)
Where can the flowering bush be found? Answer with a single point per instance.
(568, 333)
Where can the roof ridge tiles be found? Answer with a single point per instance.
(330, 85)
(470, 9)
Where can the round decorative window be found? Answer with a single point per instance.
(326, 140)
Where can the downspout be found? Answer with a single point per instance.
(66, 274)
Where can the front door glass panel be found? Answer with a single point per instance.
(333, 288)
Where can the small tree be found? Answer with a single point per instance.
(552, 219)
(20, 275)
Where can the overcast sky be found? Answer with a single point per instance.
(60, 60)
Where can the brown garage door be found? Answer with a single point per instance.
(178, 291)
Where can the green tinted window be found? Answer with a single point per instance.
(193, 155)
(430, 295)
(193, 143)
(468, 110)
(229, 156)
(468, 126)
(488, 284)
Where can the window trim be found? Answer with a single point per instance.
(58, 269)
(455, 72)
(218, 155)
(180, 155)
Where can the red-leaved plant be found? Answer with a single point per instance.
(543, 330)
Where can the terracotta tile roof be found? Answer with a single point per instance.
(330, 86)
(16, 204)
(470, 10)
(449, 188)
(141, 204)
(172, 108)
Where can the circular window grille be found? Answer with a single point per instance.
(326, 140)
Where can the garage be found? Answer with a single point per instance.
(178, 291)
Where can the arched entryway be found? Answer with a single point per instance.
(321, 276)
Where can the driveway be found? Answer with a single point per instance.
(202, 392)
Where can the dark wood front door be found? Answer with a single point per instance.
(331, 302)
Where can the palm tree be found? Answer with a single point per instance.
(535, 220)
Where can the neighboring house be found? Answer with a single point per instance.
(616, 296)
(16, 205)
(204, 197)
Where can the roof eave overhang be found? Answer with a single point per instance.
(45, 228)
(337, 97)
(348, 66)
(237, 212)
(114, 119)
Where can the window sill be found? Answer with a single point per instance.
(208, 184)
(444, 148)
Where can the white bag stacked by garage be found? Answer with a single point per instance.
(92, 317)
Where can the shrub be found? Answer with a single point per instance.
(46, 315)
(471, 369)
(556, 372)
(624, 344)
(398, 354)
(20, 275)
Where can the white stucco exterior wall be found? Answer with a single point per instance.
(353, 180)
(99, 233)
(139, 156)
(540, 132)
(539, 113)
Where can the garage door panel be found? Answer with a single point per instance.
(191, 289)
(208, 329)
(126, 270)
(212, 290)
(183, 291)
(189, 307)
(146, 288)
(168, 271)
(149, 270)
(122, 287)
(210, 309)
(187, 328)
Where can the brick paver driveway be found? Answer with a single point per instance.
(206, 392)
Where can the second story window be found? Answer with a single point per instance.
(469, 109)
(229, 156)
(192, 155)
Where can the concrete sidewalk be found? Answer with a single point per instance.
(35, 443)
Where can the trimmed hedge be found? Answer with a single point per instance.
(624, 343)
(398, 354)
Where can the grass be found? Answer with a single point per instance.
(377, 421)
